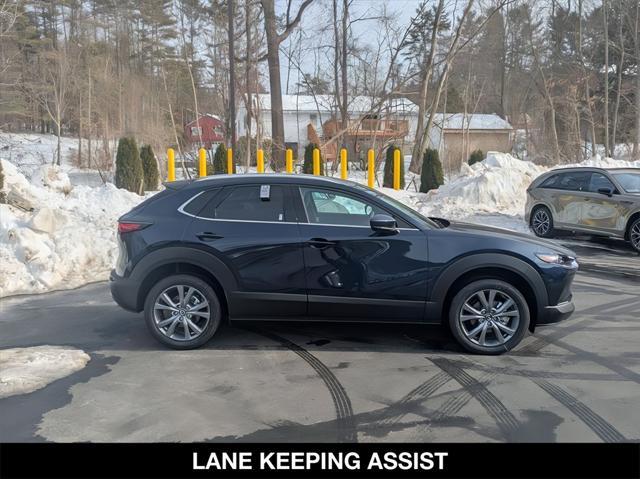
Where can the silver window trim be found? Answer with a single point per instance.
(183, 205)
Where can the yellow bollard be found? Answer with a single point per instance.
(343, 163)
(371, 167)
(316, 162)
(202, 165)
(260, 160)
(230, 161)
(396, 169)
(289, 161)
(171, 165)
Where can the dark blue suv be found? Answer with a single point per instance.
(306, 248)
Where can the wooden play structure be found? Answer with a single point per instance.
(360, 134)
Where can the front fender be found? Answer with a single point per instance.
(468, 264)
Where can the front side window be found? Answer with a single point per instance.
(598, 180)
(196, 131)
(629, 181)
(246, 203)
(333, 208)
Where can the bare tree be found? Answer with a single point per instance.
(274, 39)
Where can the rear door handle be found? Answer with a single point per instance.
(320, 243)
(208, 236)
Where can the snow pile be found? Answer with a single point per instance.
(24, 370)
(491, 192)
(69, 238)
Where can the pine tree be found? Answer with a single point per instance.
(149, 168)
(387, 181)
(476, 157)
(307, 166)
(220, 160)
(431, 177)
(129, 173)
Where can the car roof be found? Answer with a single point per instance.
(590, 168)
(273, 178)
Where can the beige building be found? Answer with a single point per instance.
(456, 135)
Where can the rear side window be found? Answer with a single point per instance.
(246, 203)
(197, 202)
(551, 182)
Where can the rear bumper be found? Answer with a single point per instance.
(557, 313)
(124, 292)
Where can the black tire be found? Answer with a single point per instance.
(503, 292)
(542, 229)
(202, 290)
(634, 234)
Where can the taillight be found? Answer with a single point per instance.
(128, 227)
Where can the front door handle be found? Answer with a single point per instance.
(320, 243)
(208, 236)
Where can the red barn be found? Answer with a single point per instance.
(210, 127)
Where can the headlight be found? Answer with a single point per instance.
(559, 259)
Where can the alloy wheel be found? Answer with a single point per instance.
(489, 317)
(635, 235)
(541, 222)
(181, 312)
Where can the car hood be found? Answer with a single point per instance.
(491, 231)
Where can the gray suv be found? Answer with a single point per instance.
(589, 200)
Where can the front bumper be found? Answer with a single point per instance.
(557, 313)
(124, 292)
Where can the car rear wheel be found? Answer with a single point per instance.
(182, 311)
(634, 234)
(542, 222)
(489, 316)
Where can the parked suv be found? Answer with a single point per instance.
(590, 200)
(297, 247)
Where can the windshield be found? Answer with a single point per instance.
(411, 213)
(629, 181)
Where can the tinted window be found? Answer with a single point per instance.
(244, 203)
(574, 181)
(630, 181)
(198, 202)
(551, 182)
(333, 208)
(598, 180)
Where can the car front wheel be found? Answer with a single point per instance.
(634, 234)
(489, 316)
(182, 311)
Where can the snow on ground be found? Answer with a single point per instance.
(24, 370)
(69, 239)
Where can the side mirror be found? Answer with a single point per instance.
(606, 191)
(383, 224)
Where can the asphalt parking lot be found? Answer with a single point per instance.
(575, 381)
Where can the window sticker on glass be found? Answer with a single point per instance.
(265, 192)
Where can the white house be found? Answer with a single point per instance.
(302, 110)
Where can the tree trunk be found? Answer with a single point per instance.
(232, 77)
(275, 86)
(416, 154)
(619, 68)
(606, 78)
(343, 64)
(247, 25)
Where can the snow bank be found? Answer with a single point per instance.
(24, 370)
(69, 238)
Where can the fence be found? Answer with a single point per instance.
(371, 175)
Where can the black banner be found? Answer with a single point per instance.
(436, 460)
